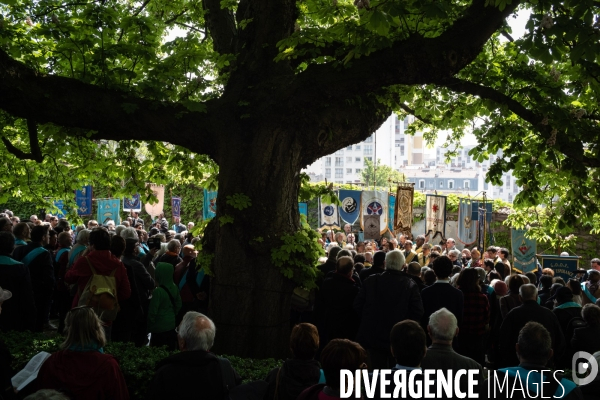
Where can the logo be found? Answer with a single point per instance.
(213, 205)
(349, 205)
(374, 208)
(329, 210)
(584, 364)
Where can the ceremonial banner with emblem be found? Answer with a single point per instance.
(350, 208)
(156, 209)
(303, 209)
(372, 228)
(374, 203)
(328, 216)
(435, 216)
(83, 199)
(467, 226)
(523, 251)
(403, 214)
(108, 209)
(564, 267)
(176, 207)
(484, 220)
(133, 204)
(61, 208)
(209, 210)
(391, 212)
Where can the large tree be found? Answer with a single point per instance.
(264, 88)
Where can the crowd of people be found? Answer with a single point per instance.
(385, 304)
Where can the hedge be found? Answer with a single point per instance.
(137, 363)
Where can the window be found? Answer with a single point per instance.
(348, 159)
(510, 197)
(402, 150)
(328, 173)
(467, 184)
(430, 184)
(357, 147)
(357, 170)
(369, 139)
(441, 184)
(349, 147)
(515, 187)
(340, 151)
(368, 149)
(368, 159)
(357, 159)
(339, 161)
(421, 183)
(348, 170)
(328, 162)
(450, 184)
(507, 182)
(340, 182)
(406, 123)
(339, 173)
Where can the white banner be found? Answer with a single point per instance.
(374, 203)
(435, 216)
(328, 216)
(156, 209)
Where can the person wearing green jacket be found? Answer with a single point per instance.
(164, 306)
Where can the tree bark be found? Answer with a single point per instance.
(250, 299)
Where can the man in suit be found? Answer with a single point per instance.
(441, 293)
(384, 300)
(442, 329)
(409, 254)
(516, 319)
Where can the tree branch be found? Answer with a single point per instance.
(474, 89)
(35, 154)
(112, 114)
(144, 4)
(413, 113)
(220, 24)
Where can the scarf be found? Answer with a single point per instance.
(93, 346)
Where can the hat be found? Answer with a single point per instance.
(563, 295)
(499, 287)
(4, 295)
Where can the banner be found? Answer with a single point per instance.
(403, 214)
(523, 251)
(108, 209)
(156, 209)
(374, 203)
(467, 226)
(176, 208)
(209, 210)
(484, 220)
(61, 208)
(83, 199)
(391, 212)
(303, 209)
(372, 228)
(328, 216)
(565, 267)
(435, 216)
(350, 208)
(133, 204)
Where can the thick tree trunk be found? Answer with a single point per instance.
(250, 299)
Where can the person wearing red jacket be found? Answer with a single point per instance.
(104, 263)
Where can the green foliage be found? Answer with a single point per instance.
(384, 175)
(298, 256)
(225, 219)
(137, 363)
(309, 190)
(239, 201)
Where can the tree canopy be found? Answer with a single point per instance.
(97, 90)
(380, 175)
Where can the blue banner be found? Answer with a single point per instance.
(209, 210)
(565, 267)
(391, 212)
(176, 207)
(350, 208)
(132, 204)
(303, 209)
(484, 218)
(61, 208)
(108, 210)
(523, 252)
(83, 199)
(467, 226)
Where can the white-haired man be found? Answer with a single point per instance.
(384, 300)
(443, 328)
(449, 246)
(194, 372)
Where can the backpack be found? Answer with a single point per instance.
(100, 293)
